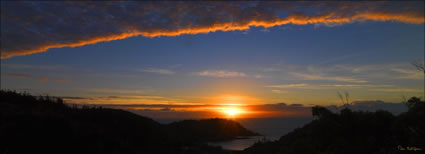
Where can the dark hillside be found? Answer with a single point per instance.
(47, 125)
(208, 130)
(352, 132)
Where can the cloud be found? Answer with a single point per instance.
(370, 87)
(291, 110)
(399, 90)
(325, 86)
(389, 71)
(395, 108)
(72, 97)
(44, 79)
(27, 66)
(62, 80)
(256, 111)
(329, 78)
(118, 91)
(157, 70)
(221, 73)
(41, 79)
(409, 74)
(259, 76)
(34, 27)
(124, 100)
(279, 91)
(283, 110)
(19, 75)
(288, 85)
(166, 109)
(271, 70)
(265, 30)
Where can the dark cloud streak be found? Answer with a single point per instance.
(265, 110)
(34, 27)
(41, 79)
(19, 75)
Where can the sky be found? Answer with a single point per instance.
(202, 59)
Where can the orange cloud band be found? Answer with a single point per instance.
(296, 19)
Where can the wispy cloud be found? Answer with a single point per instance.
(329, 78)
(325, 86)
(257, 110)
(228, 74)
(379, 71)
(19, 75)
(409, 74)
(221, 73)
(288, 85)
(399, 90)
(41, 79)
(36, 27)
(279, 91)
(119, 91)
(265, 30)
(44, 79)
(27, 66)
(157, 70)
(271, 69)
(127, 100)
(62, 80)
(260, 76)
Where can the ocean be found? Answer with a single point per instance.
(271, 129)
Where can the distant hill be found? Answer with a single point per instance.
(46, 125)
(353, 132)
(208, 130)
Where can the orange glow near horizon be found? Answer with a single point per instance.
(231, 106)
(220, 106)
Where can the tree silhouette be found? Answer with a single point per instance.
(412, 102)
(321, 112)
(419, 65)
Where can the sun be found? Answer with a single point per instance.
(232, 111)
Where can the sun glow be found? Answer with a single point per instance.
(232, 112)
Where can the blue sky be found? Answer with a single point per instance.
(303, 64)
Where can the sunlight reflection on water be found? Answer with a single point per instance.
(271, 128)
(238, 144)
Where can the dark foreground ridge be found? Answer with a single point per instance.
(354, 132)
(46, 125)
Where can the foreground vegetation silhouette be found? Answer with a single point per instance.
(30, 124)
(47, 125)
(353, 132)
